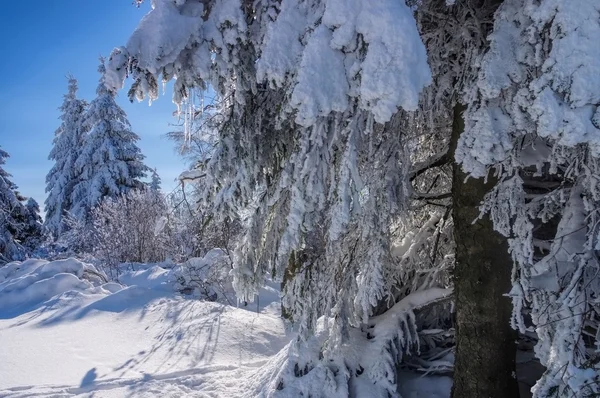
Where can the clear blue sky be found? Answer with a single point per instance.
(43, 41)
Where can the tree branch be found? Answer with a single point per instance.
(434, 161)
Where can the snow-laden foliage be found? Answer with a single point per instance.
(328, 138)
(67, 144)
(533, 119)
(309, 152)
(192, 233)
(20, 221)
(363, 368)
(110, 163)
(31, 231)
(207, 277)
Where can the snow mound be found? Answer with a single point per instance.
(153, 277)
(26, 284)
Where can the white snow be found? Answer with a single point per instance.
(162, 34)
(28, 283)
(141, 340)
(395, 69)
(191, 175)
(283, 48)
(322, 84)
(65, 332)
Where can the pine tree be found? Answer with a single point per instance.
(533, 121)
(67, 144)
(347, 190)
(32, 230)
(10, 228)
(110, 163)
(308, 150)
(156, 181)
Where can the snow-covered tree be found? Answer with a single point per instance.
(155, 180)
(534, 121)
(67, 145)
(31, 234)
(308, 151)
(110, 162)
(10, 206)
(334, 153)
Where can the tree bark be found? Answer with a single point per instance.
(485, 342)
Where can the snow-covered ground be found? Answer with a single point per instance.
(64, 336)
(65, 332)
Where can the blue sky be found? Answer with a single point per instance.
(42, 42)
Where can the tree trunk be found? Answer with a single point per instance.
(294, 264)
(485, 342)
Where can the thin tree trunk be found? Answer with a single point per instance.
(293, 266)
(485, 342)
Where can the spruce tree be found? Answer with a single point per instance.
(67, 143)
(110, 163)
(10, 249)
(156, 181)
(32, 231)
(320, 150)
(533, 123)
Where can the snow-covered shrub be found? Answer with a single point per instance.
(193, 232)
(207, 277)
(77, 241)
(124, 228)
(182, 224)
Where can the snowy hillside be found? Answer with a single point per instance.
(64, 333)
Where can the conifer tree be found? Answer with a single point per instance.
(533, 122)
(327, 140)
(10, 249)
(67, 143)
(110, 163)
(156, 181)
(32, 231)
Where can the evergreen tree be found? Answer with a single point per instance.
(308, 151)
(337, 155)
(32, 230)
(534, 122)
(67, 144)
(10, 228)
(156, 181)
(110, 163)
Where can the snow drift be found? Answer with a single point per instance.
(23, 285)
